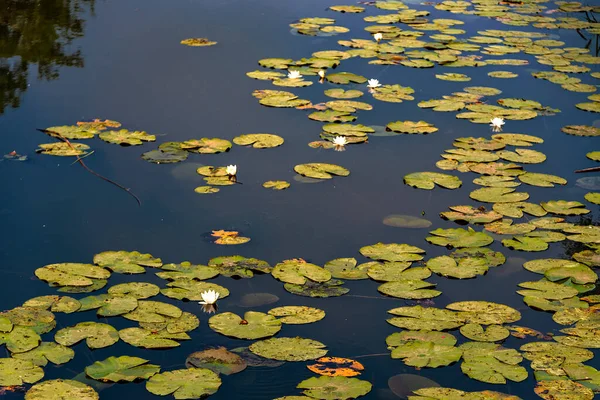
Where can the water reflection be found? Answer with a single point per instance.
(37, 32)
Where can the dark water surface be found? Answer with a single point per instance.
(125, 63)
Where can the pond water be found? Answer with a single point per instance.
(64, 62)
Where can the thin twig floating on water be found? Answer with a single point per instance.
(60, 137)
(593, 169)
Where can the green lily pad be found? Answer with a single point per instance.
(265, 75)
(491, 363)
(516, 210)
(123, 368)
(138, 290)
(47, 351)
(428, 180)
(393, 93)
(279, 99)
(343, 94)
(296, 315)
(20, 339)
(396, 271)
(297, 272)
(331, 288)
(517, 139)
(254, 325)
(75, 132)
(435, 393)
(184, 323)
(462, 268)
(392, 252)
(96, 335)
(347, 130)
(562, 207)
(541, 180)
(347, 9)
(345, 78)
(206, 190)
(562, 389)
(39, 320)
(276, 185)
(492, 333)
(469, 214)
(61, 389)
(181, 289)
(140, 337)
(469, 155)
(346, 268)
(557, 269)
(289, 349)
(424, 349)
(498, 195)
(409, 289)
(459, 238)
(581, 316)
(238, 266)
(420, 127)
(485, 313)
(502, 74)
(523, 156)
(218, 360)
(18, 372)
(581, 130)
(482, 90)
(425, 318)
(190, 383)
(554, 305)
(206, 145)
(493, 258)
(506, 227)
(198, 42)
(591, 106)
(547, 290)
(165, 156)
(63, 149)
(406, 221)
(125, 137)
(71, 274)
(334, 387)
(332, 116)
(259, 140)
(109, 305)
(453, 77)
(126, 262)
(320, 170)
(497, 169)
(588, 257)
(54, 303)
(187, 270)
(593, 198)
(444, 105)
(153, 311)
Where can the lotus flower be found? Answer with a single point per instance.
(378, 36)
(322, 74)
(231, 170)
(340, 143)
(373, 83)
(209, 297)
(496, 124)
(294, 75)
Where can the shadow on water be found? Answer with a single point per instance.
(40, 33)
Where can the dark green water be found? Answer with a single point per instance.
(122, 61)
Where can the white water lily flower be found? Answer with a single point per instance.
(378, 36)
(496, 124)
(294, 75)
(339, 143)
(322, 73)
(209, 297)
(373, 83)
(231, 170)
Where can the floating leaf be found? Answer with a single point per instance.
(61, 389)
(191, 383)
(463, 268)
(125, 137)
(20, 339)
(393, 93)
(64, 304)
(276, 185)
(71, 274)
(265, 75)
(485, 313)
(336, 366)
(471, 215)
(320, 170)
(420, 127)
(424, 349)
(459, 238)
(254, 325)
(138, 290)
(218, 360)
(123, 368)
(345, 78)
(409, 289)
(491, 363)
(343, 94)
(63, 149)
(296, 315)
(492, 333)
(289, 349)
(126, 262)
(392, 252)
(140, 337)
(206, 145)
(259, 140)
(47, 351)
(96, 335)
(428, 180)
(421, 318)
(346, 268)
(581, 130)
(18, 372)
(238, 266)
(331, 288)
(297, 272)
(517, 139)
(546, 290)
(198, 42)
(109, 305)
(562, 207)
(516, 210)
(562, 389)
(153, 311)
(557, 269)
(334, 387)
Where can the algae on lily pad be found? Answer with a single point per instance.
(123, 368)
(562, 389)
(393, 93)
(126, 262)
(320, 170)
(334, 387)
(218, 360)
(20, 339)
(470, 214)
(259, 140)
(190, 383)
(97, 335)
(289, 349)
(428, 180)
(39, 320)
(296, 315)
(492, 363)
(254, 325)
(61, 389)
(331, 288)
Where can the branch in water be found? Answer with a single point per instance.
(593, 169)
(60, 137)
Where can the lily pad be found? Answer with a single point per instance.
(138, 290)
(471, 215)
(125, 137)
(63, 149)
(218, 360)
(320, 170)
(126, 262)
(581, 130)
(206, 145)
(393, 93)
(109, 305)
(254, 325)
(47, 351)
(123, 368)
(191, 383)
(485, 313)
(61, 389)
(345, 78)
(424, 349)
(491, 363)
(238, 266)
(346, 268)
(187, 270)
(297, 272)
(276, 185)
(296, 315)
(425, 318)
(428, 180)
(331, 288)
(259, 140)
(198, 42)
(64, 304)
(18, 372)
(71, 274)
(462, 268)
(343, 94)
(541, 180)
(289, 349)
(334, 387)
(409, 289)
(96, 335)
(459, 237)
(392, 252)
(547, 290)
(39, 320)
(562, 389)
(492, 333)
(412, 127)
(557, 269)
(153, 311)
(562, 207)
(181, 289)
(145, 338)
